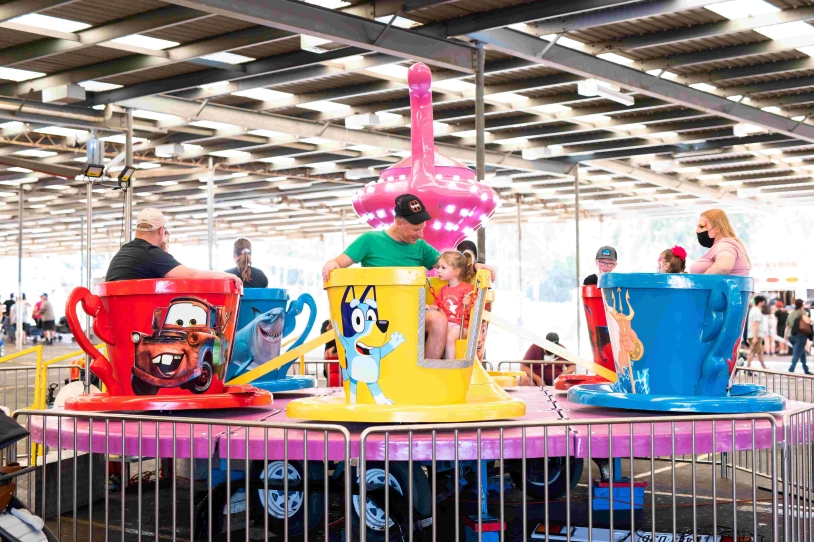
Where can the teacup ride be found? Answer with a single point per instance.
(674, 339)
(378, 316)
(594, 307)
(169, 342)
(267, 316)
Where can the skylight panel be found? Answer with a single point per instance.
(15, 74)
(145, 42)
(228, 58)
(98, 86)
(47, 22)
(738, 9)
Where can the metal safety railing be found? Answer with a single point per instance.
(109, 477)
(592, 474)
(548, 460)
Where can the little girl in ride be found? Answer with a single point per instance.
(458, 269)
(673, 260)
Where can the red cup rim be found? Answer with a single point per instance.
(590, 290)
(165, 286)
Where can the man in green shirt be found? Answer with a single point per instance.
(401, 245)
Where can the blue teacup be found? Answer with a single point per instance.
(675, 334)
(265, 317)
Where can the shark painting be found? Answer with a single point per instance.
(258, 342)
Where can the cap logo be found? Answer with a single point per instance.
(415, 206)
(606, 252)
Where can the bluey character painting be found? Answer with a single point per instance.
(363, 337)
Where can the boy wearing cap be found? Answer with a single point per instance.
(605, 263)
(142, 258)
(401, 245)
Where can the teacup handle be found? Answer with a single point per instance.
(719, 322)
(295, 309)
(92, 305)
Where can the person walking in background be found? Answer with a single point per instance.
(26, 306)
(798, 330)
(251, 276)
(48, 318)
(35, 315)
(781, 315)
(769, 324)
(754, 332)
(7, 304)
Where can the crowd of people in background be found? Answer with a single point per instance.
(43, 316)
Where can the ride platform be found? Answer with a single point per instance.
(211, 430)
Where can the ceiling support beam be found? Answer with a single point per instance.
(682, 186)
(521, 13)
(301, 18)
(301, 128)
(627, 12)
(16, 8)
(36, 165)
(137, 62)
(709, 30)
(141, 22)
(531, 48)
(258, 74)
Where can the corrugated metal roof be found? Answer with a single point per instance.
(456, 109)
(93, 12)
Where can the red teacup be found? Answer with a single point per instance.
(164, 337)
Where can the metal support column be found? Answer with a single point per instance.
(94, 156)
(128, 189)
(210, 214)
(519, 264)
(480, 136)
(343, 212)
(576, 225)
(19, 304)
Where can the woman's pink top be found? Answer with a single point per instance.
(742, 266)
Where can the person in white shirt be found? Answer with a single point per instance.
(755, 332)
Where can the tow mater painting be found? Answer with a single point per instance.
(187, 348)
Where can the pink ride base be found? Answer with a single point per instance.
(232, 397)
(157, 441)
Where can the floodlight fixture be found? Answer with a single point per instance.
(126, 174)
(93, 171)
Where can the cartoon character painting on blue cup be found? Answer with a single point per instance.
(673, 337)
(266, 316)
(627, 348)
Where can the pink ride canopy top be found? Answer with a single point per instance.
(458, 204)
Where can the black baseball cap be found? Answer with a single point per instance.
(411, 209)
(606, 253)
(552, 337)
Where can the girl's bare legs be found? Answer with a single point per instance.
(452, 335)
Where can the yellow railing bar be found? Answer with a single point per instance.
(41, 380)
(282, 359)
(550, 346)
(21, 353)
(41, 384)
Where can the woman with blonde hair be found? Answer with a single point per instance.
(251, 276)
(727, 254)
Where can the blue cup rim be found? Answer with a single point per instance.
(676, 281)
(264, 294)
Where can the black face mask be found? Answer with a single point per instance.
(705, 240)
